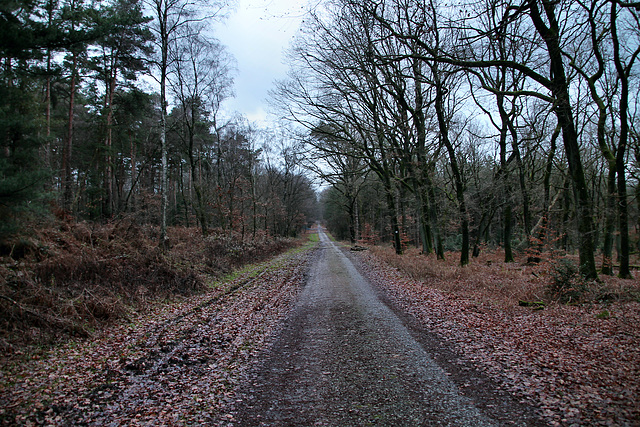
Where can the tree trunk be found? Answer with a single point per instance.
(391, 205)
(109, 202)
(609, 226)
(356, 218)
(403, 215)
(350, 205)
(455, 170)
(566, 214)
(623, 210)
(133, 174)
(433, 217)
(196, 176)
(526, 213)
(560, 90)
(426, 236)
(546, 184)
(503, 175)
(202, 215)
(254, 204)
(508, 250)
(163, 22)
(185, 199)
(48, 107)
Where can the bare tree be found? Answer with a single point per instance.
(201, 81)
(547, 31)
(625, 56)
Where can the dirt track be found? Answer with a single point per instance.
(341, 357)
(344, 358)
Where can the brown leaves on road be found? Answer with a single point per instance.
(578, 366)
(176, 365)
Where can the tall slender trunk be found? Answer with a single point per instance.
(350, 207)
(503, 175)
(254, 203)
(164, 203)
(455, 169)
(219, 183)
(566, 213)
(195, 163)
(542, 236)
(433, 218)
(609, 224)
(356, 219)
(185, 199)
(420, 186)
(426, 236)
(133, 173)
(48, 108)
(524, 192)
(108, 182)
(623, 209)
(48, 159)
(403, 215)
(164, 199)
(201, 210)
(391, 206)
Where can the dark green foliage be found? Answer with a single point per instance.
(124, 40)
(568, 286)
(22, 174)
(20, 33)
(78, 129)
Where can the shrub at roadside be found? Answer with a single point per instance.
(567, 287)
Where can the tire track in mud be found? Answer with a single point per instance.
(157, 333)
(198, 355)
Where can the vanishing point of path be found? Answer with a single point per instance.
(345, 359)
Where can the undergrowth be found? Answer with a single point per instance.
(489, 279)
(73, 278)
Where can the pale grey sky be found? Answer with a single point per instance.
(256, 34)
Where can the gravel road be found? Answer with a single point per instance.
(344, 358)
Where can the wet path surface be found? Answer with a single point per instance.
(345, 359)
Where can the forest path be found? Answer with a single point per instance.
(345, 359)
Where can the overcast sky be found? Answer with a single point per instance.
(257, 34)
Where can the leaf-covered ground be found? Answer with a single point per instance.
(579, 364)
(178, 364)
(181, 363)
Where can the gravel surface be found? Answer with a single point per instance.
(344, 358)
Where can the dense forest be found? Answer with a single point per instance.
(113, 109)
(455, 126)
(451, 127)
